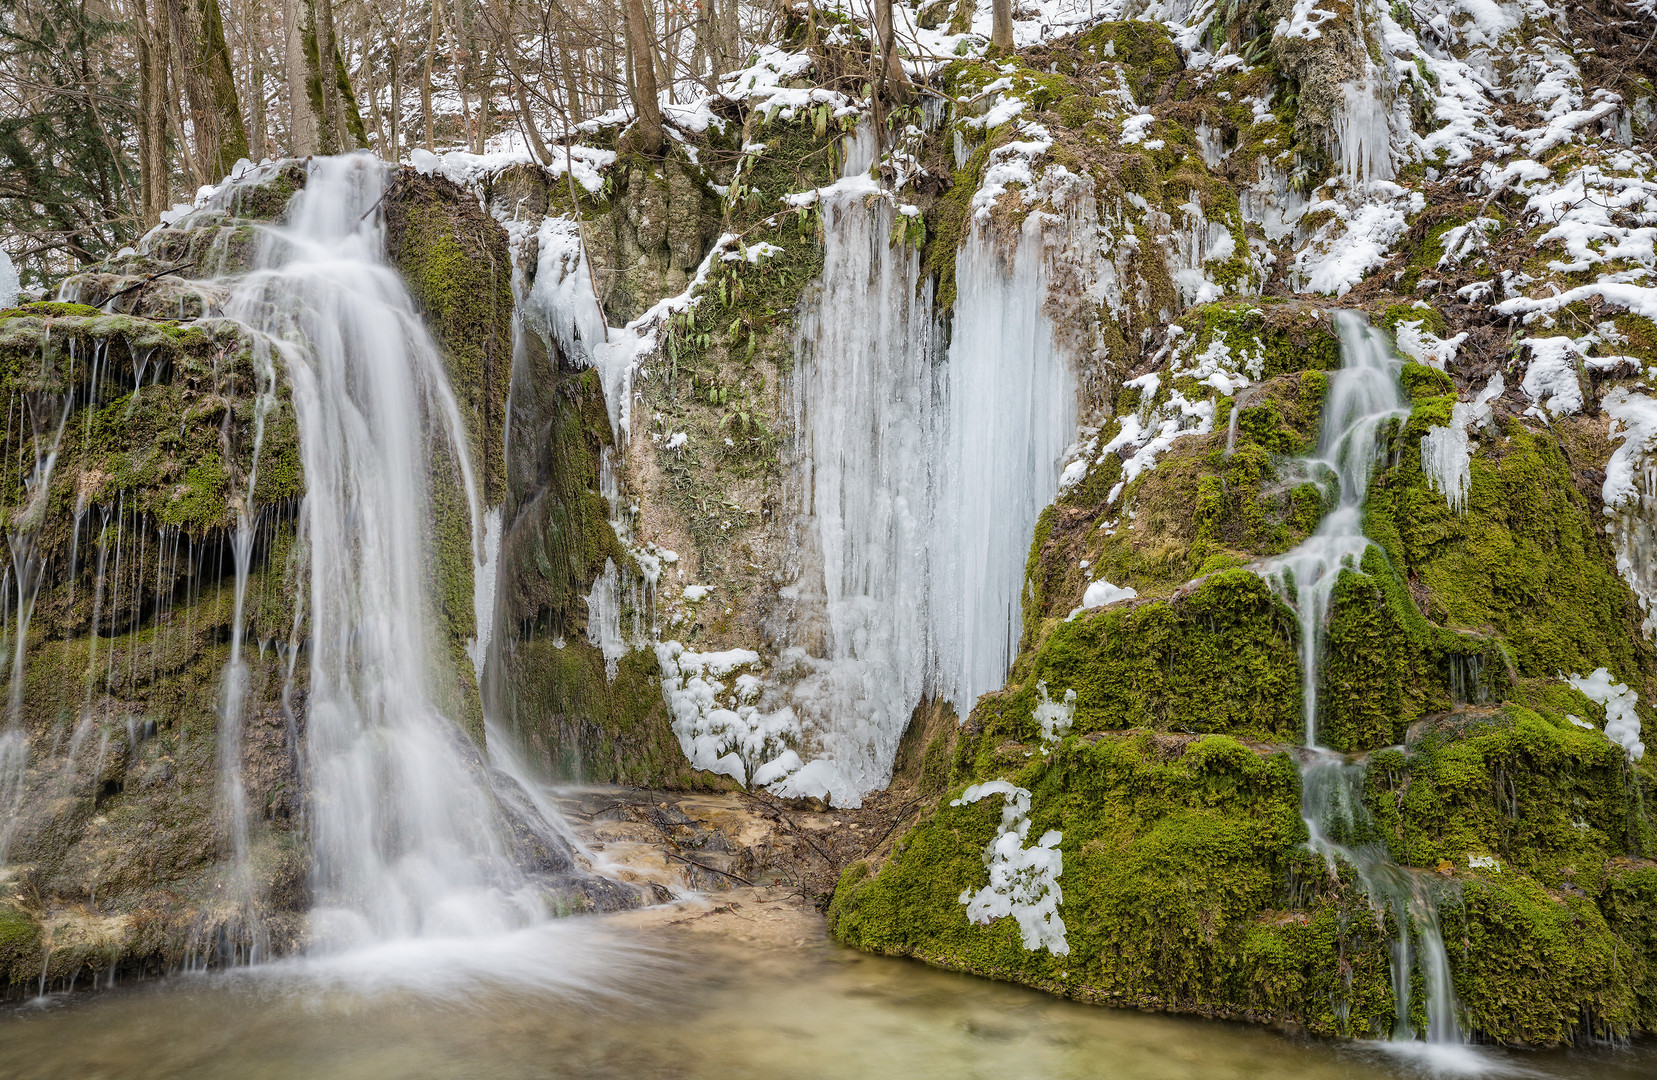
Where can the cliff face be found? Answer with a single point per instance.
(1200, 201)
(732, 412)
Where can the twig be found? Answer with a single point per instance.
(711, 869)
(902, 816)
(149, 278)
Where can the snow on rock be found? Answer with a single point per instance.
(1423, 346)
(1024, 881)
(720, 727)
(1055, 717)
(1551, 380)
(1344, 249)
(1102, 592)
(1622, 723)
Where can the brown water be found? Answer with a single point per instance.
(660, 1006)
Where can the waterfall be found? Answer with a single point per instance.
(27, 570)
(921, 472)
(408, 839)
(1012, 413)
(1364, 398)
(865, 402)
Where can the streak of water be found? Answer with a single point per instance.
(1364, 399)
(408, 838)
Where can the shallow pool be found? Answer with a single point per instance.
(580, 1001)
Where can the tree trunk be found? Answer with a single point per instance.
(891, 68)
(426, 80)
(332, 116)
(259, 136)
(645, 101)
(305, 119)
(573, 111)
(325, 116)
(210, 86)
(152, 114)
(1001, 30)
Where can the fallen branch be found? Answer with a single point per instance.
(149, 278)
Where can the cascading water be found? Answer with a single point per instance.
(408, 839)
(1364, 398)
(27, 570)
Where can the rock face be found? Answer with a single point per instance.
(1171, 210)
(1125, 820)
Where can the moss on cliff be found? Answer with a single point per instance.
(1176, 853)
(455, 260)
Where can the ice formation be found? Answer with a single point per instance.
(1629, 495)
(1055, 717)
(9, 286)
(1024, 881)
(1447, 453)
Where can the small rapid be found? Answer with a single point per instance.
(1364, 399)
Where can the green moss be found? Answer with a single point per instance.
(585, 727)
(1544, 797)
(1430, 318)
(1523, 561)
(1218, 659)
(199, 502)
(1145, 49)
(1175, 853)
(19, 946)
(1538, 968)
(1629, 900)
(455, 260)
(52, 309)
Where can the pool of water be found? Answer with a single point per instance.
(579, 1001)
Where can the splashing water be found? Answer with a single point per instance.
(409, 841)
(1364, 399)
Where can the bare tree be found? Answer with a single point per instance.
(1001, 28)
(646, 101)
(892, 77)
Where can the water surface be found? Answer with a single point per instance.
(662, 1006)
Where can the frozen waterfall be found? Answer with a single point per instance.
(921, 471)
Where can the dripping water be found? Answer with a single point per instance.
(1364, 400)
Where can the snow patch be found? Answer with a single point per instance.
(1024, 881)
(1622, 723)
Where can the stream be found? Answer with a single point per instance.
(678, 1004)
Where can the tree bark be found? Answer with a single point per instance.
(645, 101)
(426, 80)
(259, 136)
(1001, 29)
(154, 186)
(209, 86)
(305, 120)
(891, 68)
(329, 109)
